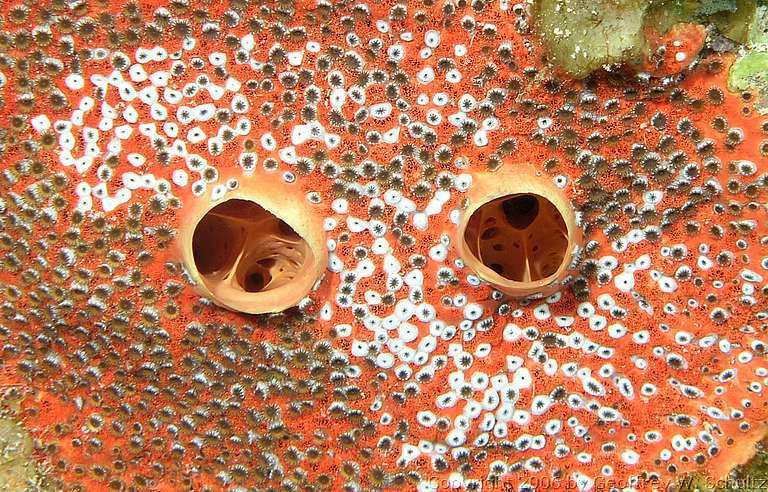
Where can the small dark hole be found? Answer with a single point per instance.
(521, 210)
(489, 233)
(256, 281)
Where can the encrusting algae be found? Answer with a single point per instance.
(19, 469)
(397, 364)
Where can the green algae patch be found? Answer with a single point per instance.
(580, 36)
(711, 7)
(758, 31)
(750, 71)
(663, 14)
(18, 469)
(734, 19)
(753, 475)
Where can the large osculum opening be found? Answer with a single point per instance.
(519, 232)
(238, 245)
(261, 251)
(521, 237)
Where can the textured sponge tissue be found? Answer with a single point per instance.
(397, 364)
